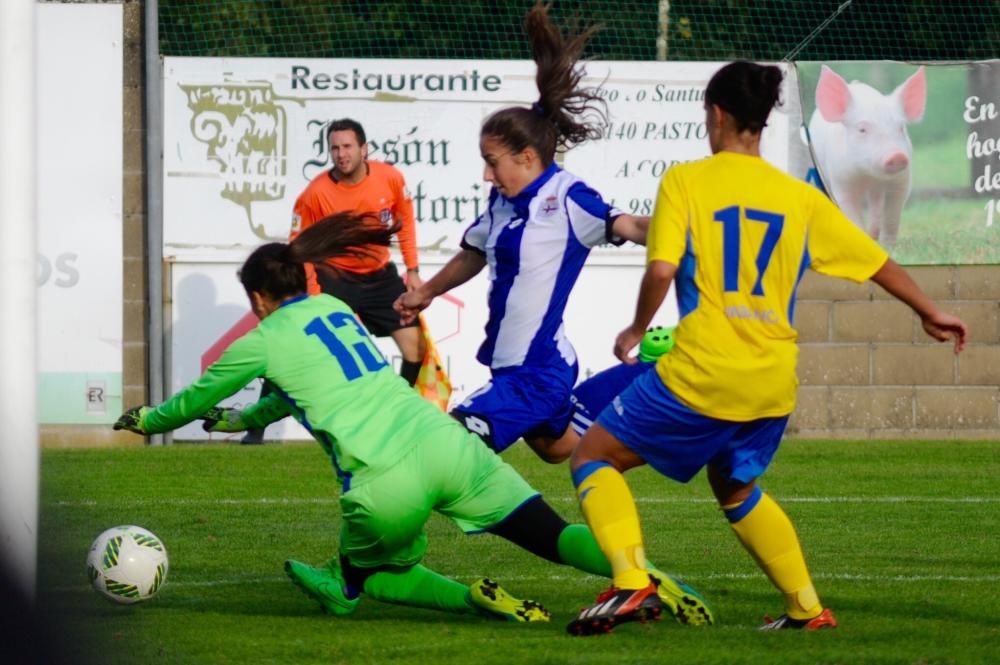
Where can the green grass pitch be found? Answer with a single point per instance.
(903, 540)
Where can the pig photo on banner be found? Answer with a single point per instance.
(910, 153)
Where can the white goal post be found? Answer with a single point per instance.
(19, 452)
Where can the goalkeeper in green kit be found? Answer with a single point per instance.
(396, 455)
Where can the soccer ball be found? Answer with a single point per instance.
(127, 564)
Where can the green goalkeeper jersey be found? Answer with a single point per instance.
(329, 376)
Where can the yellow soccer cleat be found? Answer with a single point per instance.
(489, 597)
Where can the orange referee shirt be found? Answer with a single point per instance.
(382, 192)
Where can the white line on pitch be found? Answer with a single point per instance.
(820, 499)
(845, 577)
(322, 501)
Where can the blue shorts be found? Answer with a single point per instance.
(592, 396)
(678, 441)
(520, 402)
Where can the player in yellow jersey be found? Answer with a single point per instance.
(737, 235)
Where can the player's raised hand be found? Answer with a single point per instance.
(133, 420)
(223, 419)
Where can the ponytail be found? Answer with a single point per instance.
(342, 234)
(578, 114)
(277, 268)
(565, 115)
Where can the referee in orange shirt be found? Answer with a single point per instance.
(369, 284)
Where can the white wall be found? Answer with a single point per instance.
(79, 165)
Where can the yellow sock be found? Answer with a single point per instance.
(610, 511)
(767, 533)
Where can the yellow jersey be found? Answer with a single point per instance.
(741, 234)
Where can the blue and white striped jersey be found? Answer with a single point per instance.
(535, 244)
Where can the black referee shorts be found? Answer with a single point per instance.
(370, 295)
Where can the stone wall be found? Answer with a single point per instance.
(868, 370)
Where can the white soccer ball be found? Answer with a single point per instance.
(127, 564)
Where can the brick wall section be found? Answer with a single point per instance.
(134, 316)
(868, 370)
(134, 295)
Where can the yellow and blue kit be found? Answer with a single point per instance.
(741, 234)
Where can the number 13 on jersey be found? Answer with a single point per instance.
(345, 353)
(731, 218)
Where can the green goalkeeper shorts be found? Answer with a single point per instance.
(453, 473)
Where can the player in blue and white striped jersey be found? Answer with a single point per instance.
(535, 235)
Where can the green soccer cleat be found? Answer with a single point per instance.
(223, 419)
(487, 595)
(324, 585)
(686, 604)
(133, 420)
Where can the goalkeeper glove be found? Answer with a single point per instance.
(222, 419)
(133, 420)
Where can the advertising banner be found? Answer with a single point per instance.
(79, 166)
(909, 153)
(243, 137)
